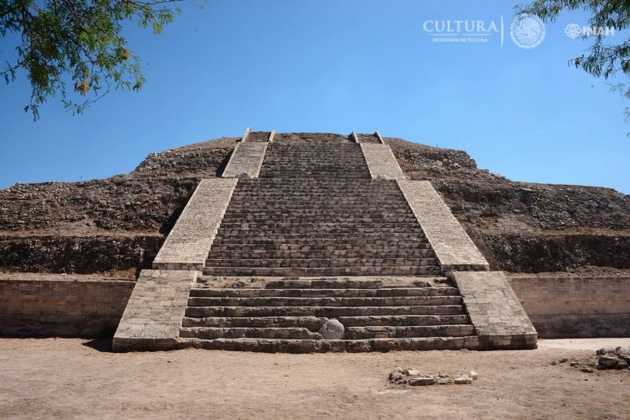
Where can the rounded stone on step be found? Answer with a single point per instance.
(332, 329)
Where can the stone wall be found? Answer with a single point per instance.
(44, 305)
(566, 305)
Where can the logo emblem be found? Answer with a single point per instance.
(527, 31)
(573, 30)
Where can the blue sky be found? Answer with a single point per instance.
(330, 65)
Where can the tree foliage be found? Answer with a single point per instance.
(602, 60)
(74, 48)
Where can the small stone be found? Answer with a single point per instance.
(563, 360)
(607, 362)
(396, 377)
(463, 380)
(411, 372)
(421, 380)
(553, 363)
(332, 329)
(587, 370)
(573, 364)
(474, 375)
(444, 380)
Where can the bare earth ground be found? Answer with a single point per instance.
(71, 378)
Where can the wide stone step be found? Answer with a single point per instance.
(358, 333)
(380, 292)
(320, 311)
(315, 234)
(402, 320)
(325, 301)
(271, 218)
(312, 323)
(401, 240)
(321, 346)
(316, 263)
(323, 227)
(348, 282)
(271, 253)
(240, 332)
(337, 282)
(323, 271)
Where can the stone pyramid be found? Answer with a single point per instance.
(311, 243)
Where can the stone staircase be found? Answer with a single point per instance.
(279, 266)
(378, 314)
(319, 227)
(315, 242)
(331, 159)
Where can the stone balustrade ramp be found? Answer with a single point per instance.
(381, 161)
(189, 242)
(452, 245)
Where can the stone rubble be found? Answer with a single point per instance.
(611, 358)
(414, 377)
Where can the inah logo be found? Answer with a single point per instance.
(527, 31)
(573, 30)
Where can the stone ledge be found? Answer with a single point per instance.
(155, 310)
(495, 311)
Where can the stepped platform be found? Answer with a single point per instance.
(317, 242)
(280, 314)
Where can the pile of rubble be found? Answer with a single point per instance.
(413, 377)
(605, 359)
(613, 358)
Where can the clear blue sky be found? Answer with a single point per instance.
(331, 65)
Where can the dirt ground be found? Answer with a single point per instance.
(71, 378)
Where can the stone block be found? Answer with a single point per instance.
(495, 311)
(154, 313)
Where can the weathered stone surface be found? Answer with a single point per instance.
(414, 377)
(421, 380)
(189, 242)
(381, 161)
(613, 358)
(154, 313)
(568, 305)
(53, 305)
(79, 254)
(463, 380)
(496, 313)
(519, 227)
(332, 329)
(246, 160)
(453, 247)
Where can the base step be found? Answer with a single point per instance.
(322, 346)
